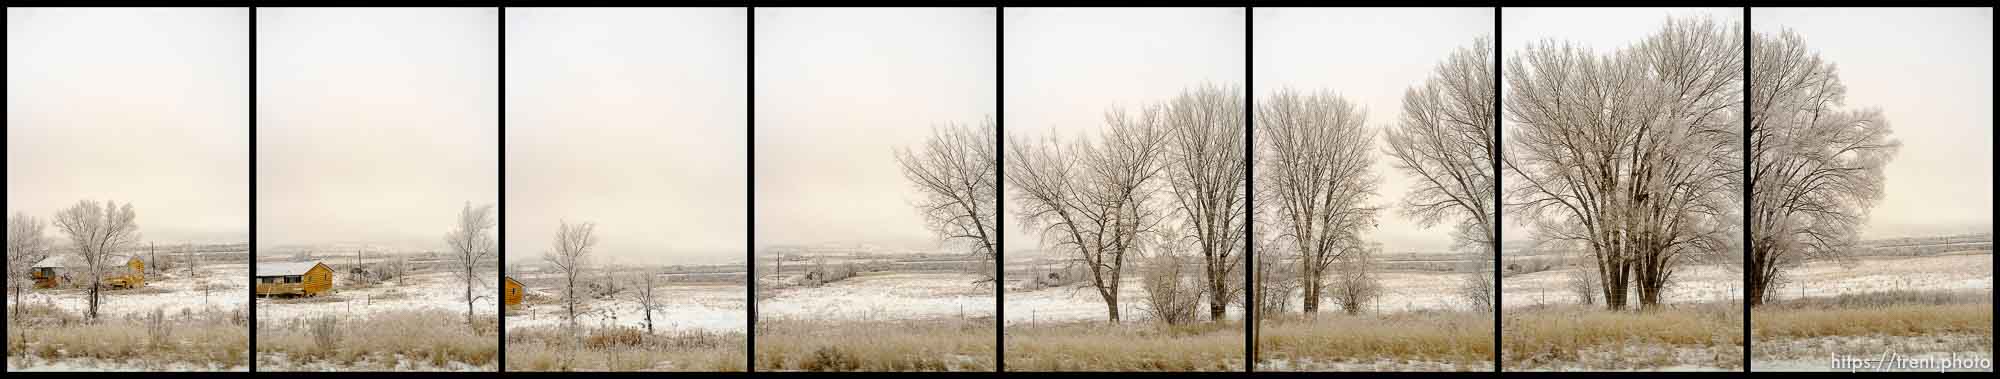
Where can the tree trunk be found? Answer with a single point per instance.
(1311, 303)
(1614, 291)
(1218, 303)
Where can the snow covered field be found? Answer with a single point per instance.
(1960, 271)
(436, 290)
(683, 307)
(206, 331)
(888, 296)
(1693, 284)
(229, 288)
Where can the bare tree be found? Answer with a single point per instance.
(1355, 284)
(471, 243)
(1445, 141)
(1629, 154)
(26, 244)
(956, 170)
(1206, 174)
(1815, 168)
(191, 259)
(647, 302)
(1314, 168)
(1091, 200)
(569, 253)
(1274, 277)
(96, 231)
(1170, 297)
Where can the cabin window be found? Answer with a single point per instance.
(294, 279)
(267, 280)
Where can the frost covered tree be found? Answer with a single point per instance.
(472, 243)
(1815, 168)
(1314, 156)
(1205, 178)
(1091, 198)
(1445, 141)
(26, 244)
(956, 170)
(569, 253)
(97, 231)
(1629, 154)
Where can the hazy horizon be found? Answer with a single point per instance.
(838, 90)
(375, 126)
(1930, 71)
(177, 144)
(632, 119)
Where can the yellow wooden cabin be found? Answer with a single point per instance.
(63, 269)
(513, 291)
(293, 279)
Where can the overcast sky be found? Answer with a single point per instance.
(1313, 49)
(374, 126)
(633, 119)
(1601, 30)
(1067, 66)
(147, 106)
(837, 91)
(1931, 73)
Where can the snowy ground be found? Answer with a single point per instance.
(1817, 354)
(888, 296)
(30, 363)
(229, 289)
(426, 290)
(1404, 291)
(683, 307)
(1309, 364)
(1693, 284)
(1965, 271)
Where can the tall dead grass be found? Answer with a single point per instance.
(1591, 338)
(1098, 346)
(1895, 313)
(1462, 339)
(377, 341)
(553, 348)
(212, 339)
(900, 345)
(1909, 322)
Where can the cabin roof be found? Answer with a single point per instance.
(285, 268)
(67, 260)
(510, 279)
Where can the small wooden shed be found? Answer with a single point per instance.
(513, 291)
(310, 278)
(58, 270)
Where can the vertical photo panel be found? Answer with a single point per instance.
(1126, 189)
(625, 186)
(1871, 189)
(875, 198)
(127, 189)
(1623, 183)
(377, 182)
(1375, 190)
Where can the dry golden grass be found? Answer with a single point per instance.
(1097, 346)
(1462, 339)
(622, 349)
(1591, 338)
(214, 339)
(1905, 322)
(910, 345)
(1898, 320)
(379, 341)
